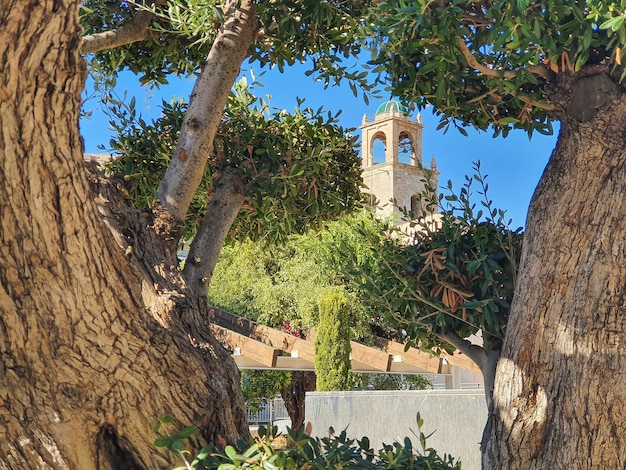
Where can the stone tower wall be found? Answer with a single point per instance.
(391, 179)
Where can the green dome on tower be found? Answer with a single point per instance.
(392, 106)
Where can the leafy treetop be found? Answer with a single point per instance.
(273, 284)
(494, 63)
(299, 168)
(455, 278)
(181, 33)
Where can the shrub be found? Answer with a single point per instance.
(307, 453)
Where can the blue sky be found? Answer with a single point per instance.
(513, 164)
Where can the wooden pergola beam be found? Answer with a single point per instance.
(412, 356)
(424, 360)
(269, 341)
(462, 361)
(260, 352)
(379, 360)
(265, 334)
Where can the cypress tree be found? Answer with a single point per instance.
(332, 344)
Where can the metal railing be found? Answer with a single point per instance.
(272, 411)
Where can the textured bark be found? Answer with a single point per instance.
(560, 393)
(96, 339)
(294, 397)
(206, 106)
(134, 30)
(229, 192)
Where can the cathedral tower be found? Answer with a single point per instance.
(392, 159)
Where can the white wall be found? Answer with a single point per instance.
(457, 417)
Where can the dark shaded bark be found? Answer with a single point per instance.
(294, 397)
(99, 334)
(559, 398)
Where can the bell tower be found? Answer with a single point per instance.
(392, 159)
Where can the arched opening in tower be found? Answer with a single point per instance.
(416, 210)
(379, 148)
(405, 148)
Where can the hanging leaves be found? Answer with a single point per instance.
(489, 65)
(302, 167)
(458, 274)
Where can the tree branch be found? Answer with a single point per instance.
(227, 199)
(484, 70)
(476, 20)
(134, 30)
(206, 107)
(473, 351)
(486, 359)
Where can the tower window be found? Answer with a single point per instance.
(379, 148)
(405, 148)
(415, 207)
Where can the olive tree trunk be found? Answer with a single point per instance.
(559, 400)
(98, 333)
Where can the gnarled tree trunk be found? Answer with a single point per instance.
(560, 394)
(96, 340)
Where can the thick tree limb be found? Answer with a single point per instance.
(484, 70)
(134, 30)
(227, 199)
(206, 106)
(485, 359)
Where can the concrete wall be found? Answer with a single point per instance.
(457, 417)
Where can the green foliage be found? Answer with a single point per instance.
(182, 32)
(170, 49)
(307, 453)
(145, 149)
(332, 344)
(393, 382)
(267, 284)
(458, 275)
(260, 386)
(520, 46)
(301, 167)
(272, 284)
(173, 442)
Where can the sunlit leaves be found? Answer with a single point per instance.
(273, 284)
(457, 276)
(301, 167)
(324, 33)
(336, 452)
(167, 50)
(332, 344)
(520, 44)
